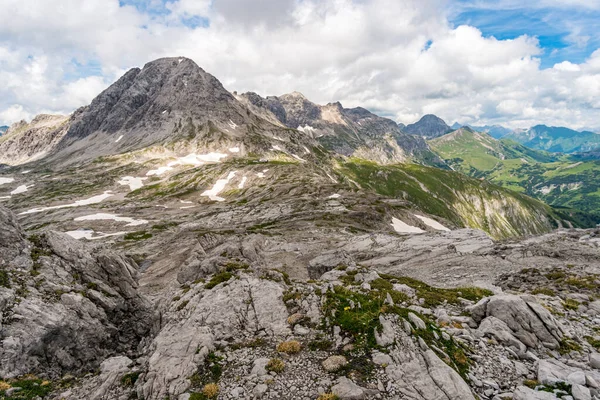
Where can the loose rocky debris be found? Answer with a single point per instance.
(74, 326)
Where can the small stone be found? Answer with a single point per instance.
(334, 363)
(595, 360)
(418, 322)
(260, 390)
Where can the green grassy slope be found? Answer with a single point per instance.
(463, 200)
(555, 179)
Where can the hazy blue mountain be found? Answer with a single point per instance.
(556, 139)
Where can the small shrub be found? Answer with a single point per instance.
(290, 347)
(4, 386)
(275, 365)
(128, 380)
(211, 390)
(320, 344)
(182, 305)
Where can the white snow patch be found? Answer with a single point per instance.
(218, 188)
(180, 60)
(164, 112)
(432, 223)
(232, 124)
(242, 183)
(5, 197)
(89, 234)
(6, 180)
(186, 202)
(262, 174)
(20, 189)
(92, 200)
(335, 196)
(298, 158)
(402, 227)
(278, 138)
(26, 172)
(190, 159)
(186, 207)
(158, 171)
(234, 150)
(277, 148)
(114, 217)
(306, 129)
(119, 139)
(306, 150)
(132, 182)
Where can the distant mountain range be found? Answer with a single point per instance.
(3, 129)
(540, 137)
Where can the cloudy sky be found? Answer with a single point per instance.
(510, 62)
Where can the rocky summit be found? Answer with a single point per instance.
(172, 240)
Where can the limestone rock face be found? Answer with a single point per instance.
(65, 308)
(26, 142)
(529, 321)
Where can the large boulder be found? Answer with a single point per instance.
(529, 322)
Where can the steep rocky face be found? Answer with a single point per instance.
(170, 103)
(429, 126)
(350, 132)
(24, 142)
(64, 308)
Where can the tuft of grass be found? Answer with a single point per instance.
(320, 344)
(570, 304)
(182, 305)
(137, 236)
(531, 384)
(595, 343)
(435, 296)
(289, 347)
(328, 396)
(4, 279)
(275, 365)
(210, 390)
(544, 290)
(218, 278)
(568, 345)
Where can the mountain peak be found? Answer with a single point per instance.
(429, 126)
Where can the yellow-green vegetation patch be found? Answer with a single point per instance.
(433, 296)
(29, 387)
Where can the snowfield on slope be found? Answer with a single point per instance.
(218, 188)
(432, 223)
(132, 182)
(85, 202)
(89, 234)
(402, 227)
(114, 217)
(190, 159)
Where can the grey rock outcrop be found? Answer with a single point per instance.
(529, 321)
(26, 142)
(64, 308)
